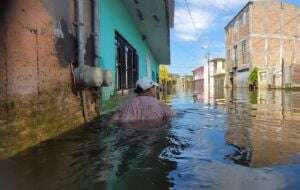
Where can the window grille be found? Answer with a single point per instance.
(126, 64)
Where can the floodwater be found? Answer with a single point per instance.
(232, 140)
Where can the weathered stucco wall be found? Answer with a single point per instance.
(37, 48)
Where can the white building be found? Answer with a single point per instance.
(214, 77)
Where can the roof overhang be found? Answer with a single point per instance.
(154, 19)
(197, 69)
(219, 74)
(217, 59)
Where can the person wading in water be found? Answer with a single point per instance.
(145, 106)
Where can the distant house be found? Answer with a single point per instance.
(198, 74)
(134, 41)
(217, 80)
(218, 66)
(265, 35)
(210, 80)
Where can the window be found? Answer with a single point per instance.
(215, 66)
(228, 56)
(148, 66)
(263, 76)
(153, 76)
(244, 47)
(244, 50)
(243, 18)
(235, 56)
(126, 64)
(235, 26)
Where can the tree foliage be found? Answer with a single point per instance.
(253, 77)
(164, 74)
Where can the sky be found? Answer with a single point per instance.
(201, 31)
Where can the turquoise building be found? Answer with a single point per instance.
(134, 40)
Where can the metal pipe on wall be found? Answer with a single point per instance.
(96, 17)
(80, 31)
(81, 49)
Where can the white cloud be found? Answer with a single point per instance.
(189, 29)
(203, 14)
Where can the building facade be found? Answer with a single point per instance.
(44, 42)
(198, 74)
(218, 77)
(134, 41)
(210, 80)
(265, 35)
(38, 48)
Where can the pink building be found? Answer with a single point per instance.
(199, 78)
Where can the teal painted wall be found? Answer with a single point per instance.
(115, 17)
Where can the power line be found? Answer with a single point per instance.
(195, 58)
(191, 16)
(189, 51)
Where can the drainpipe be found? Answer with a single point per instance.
(208, 71)
(80, 31)
(81, 49)
(96, 17)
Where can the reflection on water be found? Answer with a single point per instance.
(231, 140)
(267, 124)
(93, 157)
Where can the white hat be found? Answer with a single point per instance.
(146, 83)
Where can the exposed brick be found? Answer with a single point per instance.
(272, 31)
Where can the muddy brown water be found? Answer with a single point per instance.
(236, 140)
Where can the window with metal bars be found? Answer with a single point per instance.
(126, 64)
(244, 50)
(235, 56)
(244, 47)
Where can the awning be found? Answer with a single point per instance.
(154, 19)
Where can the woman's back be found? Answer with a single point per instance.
(143, 108)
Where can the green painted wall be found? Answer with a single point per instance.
(115, 17)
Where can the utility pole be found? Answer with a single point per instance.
(208, 73)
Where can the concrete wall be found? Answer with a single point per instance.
(38, 45)
(34, 58)
(115, 17)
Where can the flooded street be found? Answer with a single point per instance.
(237, 140)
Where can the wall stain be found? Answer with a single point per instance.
(62, 14)
(89, 51)
(66, 46)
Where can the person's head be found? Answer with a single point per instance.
(146, 86)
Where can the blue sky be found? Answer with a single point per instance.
(193, 36)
